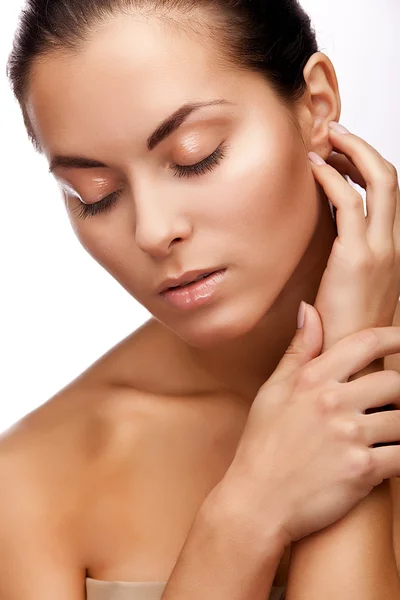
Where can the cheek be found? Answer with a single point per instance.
(267, 200)
(268, 215)
(111, 245)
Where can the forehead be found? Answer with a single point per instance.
(126, 77)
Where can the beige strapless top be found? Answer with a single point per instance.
(141, 590)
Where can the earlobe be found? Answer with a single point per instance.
(324, 103)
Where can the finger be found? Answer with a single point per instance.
(302, 348)
(353, 353)
(350, 217)
(373, 390)
(381, 427)
(386, 461)
(341, 163)
(381, 184)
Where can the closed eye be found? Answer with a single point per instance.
(208, 164)
(102, 206)
(106, 204)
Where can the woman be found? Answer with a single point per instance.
(179, 133)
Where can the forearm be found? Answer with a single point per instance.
(225, 557)
(352, 559)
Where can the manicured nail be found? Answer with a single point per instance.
(316, 158)
(301, 315)
(337, 127)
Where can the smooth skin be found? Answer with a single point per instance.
(106, 477)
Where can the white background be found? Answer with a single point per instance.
(59, 310)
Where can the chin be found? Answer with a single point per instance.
(212, 326)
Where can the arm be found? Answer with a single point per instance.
(351, 560)
(35, 562)
(393, 363)
(224, 557)
(354, 558)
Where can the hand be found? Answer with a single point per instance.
(360, 287)
(305, 459)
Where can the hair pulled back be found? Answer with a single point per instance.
(272, 37)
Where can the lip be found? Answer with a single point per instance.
(197, 294)
(187, 277)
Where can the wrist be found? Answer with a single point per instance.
(228, 508)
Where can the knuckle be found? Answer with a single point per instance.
(391, 184)
(329, 401)
(368, 338)
(350, 429)
(307, 378)
(393, 174)
(360, 463)
(355, 200)
(389, 178)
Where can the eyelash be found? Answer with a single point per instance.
(200, 168)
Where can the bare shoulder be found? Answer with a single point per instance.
(105, 411)
(56, 447)
(74, 466)
(56, 450)
(38, 507)
(54, 462)
(69, 430)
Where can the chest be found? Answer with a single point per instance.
(138, 513)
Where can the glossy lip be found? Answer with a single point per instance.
(195, 295)
(187, 277)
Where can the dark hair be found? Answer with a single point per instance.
(273, 37)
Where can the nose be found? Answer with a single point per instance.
(159, 226)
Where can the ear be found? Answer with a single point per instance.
(320, 104)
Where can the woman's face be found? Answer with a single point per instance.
(253, 209)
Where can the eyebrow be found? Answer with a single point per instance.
(165, 129)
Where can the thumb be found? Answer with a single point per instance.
(306, 344)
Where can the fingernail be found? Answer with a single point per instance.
(316, 158)
(301, 316)
(337, 127)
